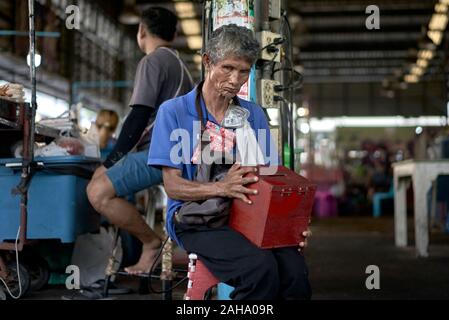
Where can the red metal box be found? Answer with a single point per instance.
(279, 213)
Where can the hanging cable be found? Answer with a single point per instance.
(17, 270)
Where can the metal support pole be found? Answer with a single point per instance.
(7, 33)
(32, 74)
(28, 135)
(28, 127)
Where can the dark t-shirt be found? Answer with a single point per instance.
(160, 76)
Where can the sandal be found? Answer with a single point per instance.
(113, 288)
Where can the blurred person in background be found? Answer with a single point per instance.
(106, 122)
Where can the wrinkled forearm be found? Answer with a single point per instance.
(182, 189)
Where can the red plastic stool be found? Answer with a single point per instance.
(200, 279)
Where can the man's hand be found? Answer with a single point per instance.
(99, 171)
(232, 186)
(306, 234)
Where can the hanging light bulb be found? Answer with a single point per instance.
(37, 59)
(129, 14)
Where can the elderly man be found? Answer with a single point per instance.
(255, 273)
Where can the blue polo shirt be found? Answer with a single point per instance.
(175, 136)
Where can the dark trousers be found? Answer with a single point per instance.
(256, 274)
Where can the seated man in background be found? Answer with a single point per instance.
(161, 75)
(254, 273)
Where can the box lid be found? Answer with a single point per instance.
(286, 180)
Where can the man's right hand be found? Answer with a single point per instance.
(232, 186)
(99, 171)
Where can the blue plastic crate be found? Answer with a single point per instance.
(58, 207)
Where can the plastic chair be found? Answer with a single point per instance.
(438, 203)
(378, 197)
(325, 204)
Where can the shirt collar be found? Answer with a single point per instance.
(191, 96)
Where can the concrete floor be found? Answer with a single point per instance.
(342, 248)
(338, 254)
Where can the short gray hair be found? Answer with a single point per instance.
(232, 40)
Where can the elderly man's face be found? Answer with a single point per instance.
(228, 75)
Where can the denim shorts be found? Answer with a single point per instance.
(132, 174)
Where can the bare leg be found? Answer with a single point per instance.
(122, 214)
